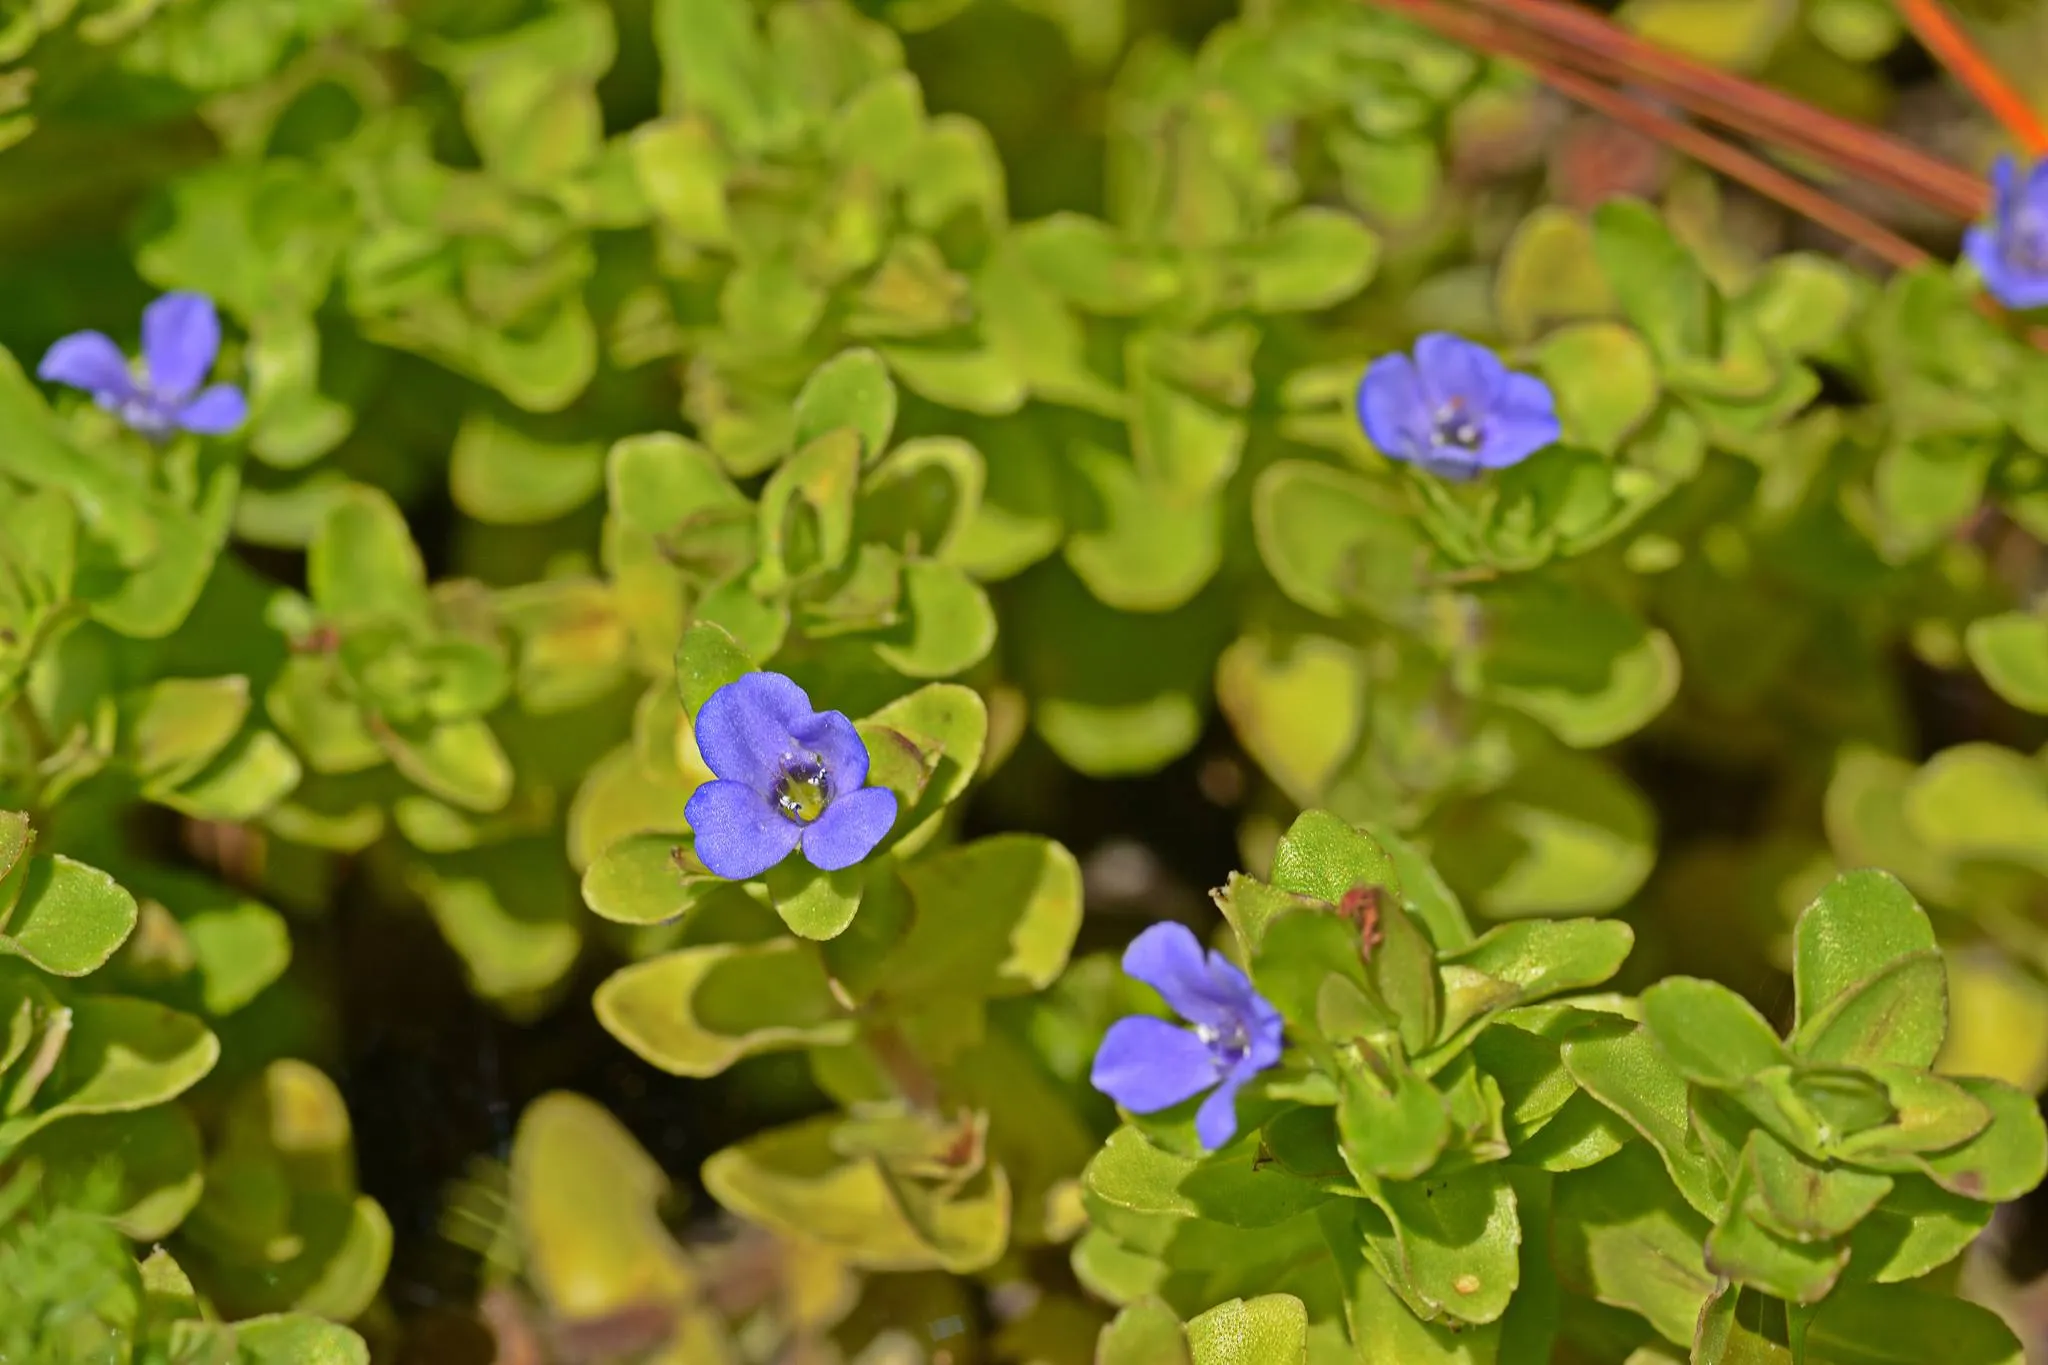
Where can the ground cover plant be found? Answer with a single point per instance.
(1157, 682)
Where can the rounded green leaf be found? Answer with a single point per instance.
(1137, 547)
(1297, 704)
(1333, 542)
(646, 879)
(1269, 1330)
(853, 389)
(2011, 651)
(588, 1199)
(1710, 1033)
(1568, 836)
(948, 626)
(1868, 976)
(697, 1011)
(1604, 380)
(994, 917)
(67, 918)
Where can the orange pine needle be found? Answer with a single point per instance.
(1950, 46)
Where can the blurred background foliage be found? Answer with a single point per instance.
(987, 366)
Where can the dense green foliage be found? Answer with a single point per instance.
(599, 352)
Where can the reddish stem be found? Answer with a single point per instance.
(1542, 57)
(1587, 40)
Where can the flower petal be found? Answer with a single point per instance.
(1268, 1038)
(831, 736)
(1391, 408)
(180, 338)
(1447, 366)
(1168, 958)
(850, 828)
(1523, 421)
(739, 832)
(1147, 1064)
(2015, 288)
(2004, 182)
(1216, 1120)
(89, 361)
(746, 727)
(217, 410)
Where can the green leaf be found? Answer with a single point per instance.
(1111, 693)
(994, 917)
(1332, 545)
(176, 726)
(362, 564)
(233, 946)
(921, 496)
(1311, 259)
(1797, 1199)
(1566, 836)
(1656, 282)
(1323, 857)
(1543, 958)
(1230, 1186)
(120, 1055)
(588, 1200)
(1621, 1066)
(1086, 261)
(1457, 1240)
(1604, 379)
(814, 903)
(155, 1156)
(1744, 1250)
(707, 660)
(1711, 1034)
(646, 879)
(697, 1011)
(459, 761)
(1136, 545)
(1548, 271)
(510, 475)
(792, 1180)
(1591, 671)
(682, 171)
(941, 732)
(852, 389)
(1297, 704)
(1146, 1332)
(1869, 979)
(1622, 1236)
(1392, 1128)
(948, 626)
(2005, 1160)
(1869, 1325)
(2011, 651)
(298, 1339)
(67, 918)
(983, 381)
(1269, 1330)
(1982, 801)
(806, 512)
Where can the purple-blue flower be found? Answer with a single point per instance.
(180, 338)
(1146, 1064)
(788, 778)
(1454, 409)
(2011, 253)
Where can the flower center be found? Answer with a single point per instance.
(1230, 1045)
(2026, 245)
(804, 790)
(1456, 428)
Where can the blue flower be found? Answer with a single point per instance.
(788, 778)
(1455, 409)
(1146, 1064)
(2012, 252)
(180, 338)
